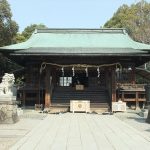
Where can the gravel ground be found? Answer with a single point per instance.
(132, 118)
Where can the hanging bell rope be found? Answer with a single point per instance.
(44, 64)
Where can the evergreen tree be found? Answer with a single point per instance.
(8, 27)
(135, 18)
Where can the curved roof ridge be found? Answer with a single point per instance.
(80, 30)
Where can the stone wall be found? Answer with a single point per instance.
(8, 113)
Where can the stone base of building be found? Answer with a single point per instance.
(8, 113)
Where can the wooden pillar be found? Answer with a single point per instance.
(113, 79)
(107, 82)
(47, 88)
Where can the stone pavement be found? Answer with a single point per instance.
(81, 131)
(133, 118)
(11, 133)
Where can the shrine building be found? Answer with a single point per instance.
(79, 64)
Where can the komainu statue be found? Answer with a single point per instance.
(8, 105)
(6, 86)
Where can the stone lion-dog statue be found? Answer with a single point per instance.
(7, 84)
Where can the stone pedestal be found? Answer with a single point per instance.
(144, 113)
(6, 99)
(8, 105)
(148, 117)
(8, 113)
(118, 106)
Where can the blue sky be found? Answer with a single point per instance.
(65, 13)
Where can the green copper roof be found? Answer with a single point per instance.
(94, 41)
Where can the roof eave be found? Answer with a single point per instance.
(79, 54)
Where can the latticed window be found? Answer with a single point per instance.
(65, 81)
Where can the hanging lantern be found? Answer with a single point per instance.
(62, 69)
(86, 71)
(73, 72)
(98, 72)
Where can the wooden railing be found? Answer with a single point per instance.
(131, 93)
(130, 86)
